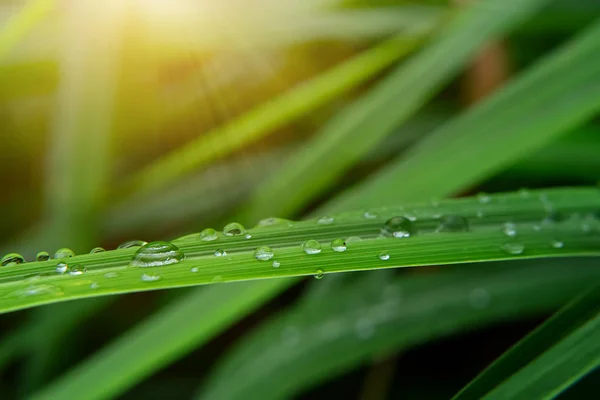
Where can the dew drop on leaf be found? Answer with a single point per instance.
(64, 253)
(276, 264)
(62, 267)
(220, 253)
(12, 259)
(557, 244)
(510, 229)
(97, 250)
(195, 269)
(42, 289)
(453, 223)
(398, 227)
(263, 253)
(150, 277)
(234, 229)
(274, 221)
(94, 285)
(319, 274)
(483, 198)
(338, 245)
(208, 235)
(77, 270)
(370, 215)
(513, 247)
(384, 256)
(248, 236)
(156, 254)
(311, 246)
(325, 220)
(42, 256)
(132, 243)
(109, 275)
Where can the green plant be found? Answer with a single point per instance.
(362, 149)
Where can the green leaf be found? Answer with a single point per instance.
(312, 343)
(432, 243)
(362, 125)
(552, 97)
(536, 346)
(162, 338)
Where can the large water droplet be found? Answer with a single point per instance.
(398, 227)
(150, 277)
(208, 235)
(453, 223)
(338, 245)
(513, 247)
(220, 253)
(156, 254)
(42, 256)
(274, 221)
(97, 250)
(132, 243)
(62, 267)
(311, 247)
(263, 253)
(64, 253)
(234, 229)
(325, 220)
(383, 256)
(510, 229)
(319, 274)
(77, 270)
(12, 259)
(276, 264)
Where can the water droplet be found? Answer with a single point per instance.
(273, 221)
(111, 275)
(62, 267)
(338, 245)
(453, 223)
(370, 215)
(195, 269)
(12, 259)
(97, 250)
(311, 247)
(276, 264)
(319, 274)
(94, 285)
(248, 236)
(513, 247)
(64, 253)
(479, 298)
(263, 253)
(42, 289)
(483, 198)
(557, 244)
(325, 220)
(42, 256)
(220, 253)
(234, 229)
(384, 256)
(156, 254)
(208, 235)
(410, 216)
(150, 277)
(77, 270)
(364, 328)
(398, 227)
(510, 229)
(132, 243)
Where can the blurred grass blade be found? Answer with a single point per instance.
(362, 125)
(559, 367)
(21, 23)
(552, 97)
(162, 338)
(232, 258)
(311, 344)
(534, 346)
(263, 119)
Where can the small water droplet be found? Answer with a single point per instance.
(220, 253)
(453, 223)
(325, 220)
(62, 267)
(12, 259)
(156, 254)
(42, 256)
(276, 264)
(248, 236)
(263, 253)
(64, 253)
(234, 229)
(208, 235)
(195, 269)
(370, 215)
(510, 229)
(97, 250)
(479, 298)
(338, 245)
(273, 221)
(150, 277)
(557, 244)
(311, 247)
(94, 285)
(42, 289)
(77, 270)
(537, 228)
(132, 243)
(384, 256)
(513, 247)
(319, 274)
(111, 275)
(398, 227)
(483, 198)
